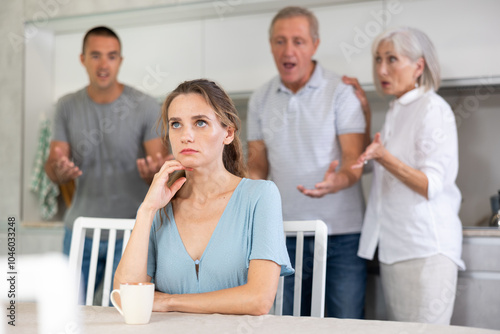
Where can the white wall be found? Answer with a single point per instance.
(11, 87)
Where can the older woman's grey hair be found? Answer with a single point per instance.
(414, 44)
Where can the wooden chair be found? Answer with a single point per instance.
(76, 251)
(320, 232)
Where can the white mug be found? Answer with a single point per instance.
(137, 302)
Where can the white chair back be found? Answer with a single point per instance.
(320, 232)
(76, 251)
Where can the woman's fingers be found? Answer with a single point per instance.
(362, 160)
(170, 166)
(177, 185)
(351, 81)
(358, 164)
(373, 151)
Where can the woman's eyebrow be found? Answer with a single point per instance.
(178, 119)
(201, 116)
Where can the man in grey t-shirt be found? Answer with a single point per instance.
(104, 138)
(305, 130)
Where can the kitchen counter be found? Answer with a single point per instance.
(481, 231)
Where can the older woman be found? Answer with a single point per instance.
(217, 245)
(412, 213)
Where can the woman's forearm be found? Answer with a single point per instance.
(413, 178)
(133, 264)
(254, 298)
(237, 300)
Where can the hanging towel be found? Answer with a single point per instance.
(41, 185)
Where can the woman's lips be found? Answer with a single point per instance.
(385, 84)
(188, 151)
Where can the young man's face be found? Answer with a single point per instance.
(293, 48)
(102, 60)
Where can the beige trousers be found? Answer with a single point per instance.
(420, 290)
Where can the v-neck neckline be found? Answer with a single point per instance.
(214, 233)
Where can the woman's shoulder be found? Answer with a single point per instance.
(436, 111)
(433, 100)
(432, 105)
(258, 188)
(257, 184)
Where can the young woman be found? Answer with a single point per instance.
(211, 240)
(412, 213)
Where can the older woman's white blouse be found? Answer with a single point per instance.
(419, 130)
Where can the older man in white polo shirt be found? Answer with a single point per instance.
(305, 130)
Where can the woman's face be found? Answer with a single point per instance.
(196, 135)
(396, 73)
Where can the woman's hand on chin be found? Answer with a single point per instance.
(159, 194)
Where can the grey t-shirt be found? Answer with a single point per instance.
(301, 132)
(105, 141)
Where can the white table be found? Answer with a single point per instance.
(107, 320)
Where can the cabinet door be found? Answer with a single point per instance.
(476, 302)
(238, 55)
(155, 58)
(346, 35)
(465, 34)
(163, 56)
(477, 297)
(237, 51)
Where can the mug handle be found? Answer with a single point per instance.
(115, 304)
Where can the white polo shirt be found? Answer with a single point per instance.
(420, 131)
(300, 133)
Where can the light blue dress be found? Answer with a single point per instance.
(251, 227)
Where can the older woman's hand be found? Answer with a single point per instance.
(360, 93)
(375, 150)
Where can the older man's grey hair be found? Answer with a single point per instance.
(414, 44)
(293, 11)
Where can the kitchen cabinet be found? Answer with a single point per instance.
(346, 34)
(155, 58)
(238, 54)
(465, 34)
(477, 299)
